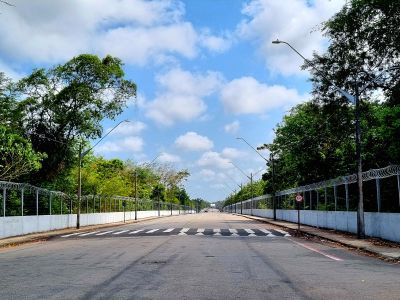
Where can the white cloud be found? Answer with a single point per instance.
(246, 95)
(207, 173)
(128, 128)
(180, 96)
(215, 43)
(168, 158)
(232, 153)
(126, 145)
(193, 142)
(233, 127)
(294, 21)
(134, 30)
(214, 160)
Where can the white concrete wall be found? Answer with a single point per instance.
(382, 225)
(14, 226)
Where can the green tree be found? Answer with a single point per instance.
(17, 157)
(67, 103)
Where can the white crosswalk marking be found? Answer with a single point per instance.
(183, 231)
(200, 230)
(151, 231)
(251, 232)
(71, 234)
(269, 233)
(283, 232)
(169, 230)
(233, 232)
(103, 233)
(217, 231)
(136, 231)
(119, 232)
(89, 233)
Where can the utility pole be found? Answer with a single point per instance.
(252, 194)
(78, 214)
(136, 199)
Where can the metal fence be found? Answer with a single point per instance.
(21, 199)
(381, 194)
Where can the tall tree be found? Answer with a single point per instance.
(67, 103)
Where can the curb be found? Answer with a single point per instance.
(44, 236)
(364, 249)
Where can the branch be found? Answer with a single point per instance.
(6, 3)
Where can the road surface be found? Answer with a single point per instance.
(205, 256)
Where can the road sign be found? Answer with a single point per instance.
(299, 198)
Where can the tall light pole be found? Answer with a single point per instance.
(251, 187)
(272, 164)
(356, 100)
(240, 187)
(80, 158)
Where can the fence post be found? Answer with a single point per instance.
(335, 196)
(4, 201)
(326, 199)
(317, 198)
(346, 186)
(378, 194)
(22, 202)
(311, 200)
(37, 202)
(50, 203)
(61, 204)
(304, 200)
(94, 204)
(398, 186)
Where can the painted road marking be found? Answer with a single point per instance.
(318, 251)
(151, 231)
(71, 234)
(169, 230)
(269, 233)
(119, 232)
(283, 232)
(136, 231)
(89, 233)
(103, 233)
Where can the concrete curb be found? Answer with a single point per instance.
(331, 239)
(44, 236)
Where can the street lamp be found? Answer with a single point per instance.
(80, 158)
(272, 163)
(356, 100)
(251, 188)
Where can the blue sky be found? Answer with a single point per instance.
(206, 73)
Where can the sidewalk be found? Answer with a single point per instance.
(386, 250)
(43, 236)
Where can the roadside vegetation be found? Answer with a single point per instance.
(47, 115)
(316, 140)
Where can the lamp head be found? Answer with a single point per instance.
(276, 42)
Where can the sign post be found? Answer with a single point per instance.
(299, 199)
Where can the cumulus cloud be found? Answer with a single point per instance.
(128, 128)
(233, 127)
(180, 96)
(294, 21)
(214, 160)
(215, 43)
(137, 31)
(193, 142)
(232, 153)
(168, 158)
(126, 145)
(248, 96)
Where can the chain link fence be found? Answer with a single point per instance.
(381, 191)
(21, 199)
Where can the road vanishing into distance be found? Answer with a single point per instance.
(203, 256)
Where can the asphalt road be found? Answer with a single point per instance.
(205, 256)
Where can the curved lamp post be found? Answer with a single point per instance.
(81, 156)
(355, 99)
(251, 189)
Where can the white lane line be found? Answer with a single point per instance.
(283, 232)
(119, 232)
(136, 231)
(169, 230)
(105, 232)
(269, 233)
(318, 251)
(151, 231)
(200, 230)
(71, 234)
(249, 231)
(89, 233)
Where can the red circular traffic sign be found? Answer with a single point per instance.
(299, 198)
